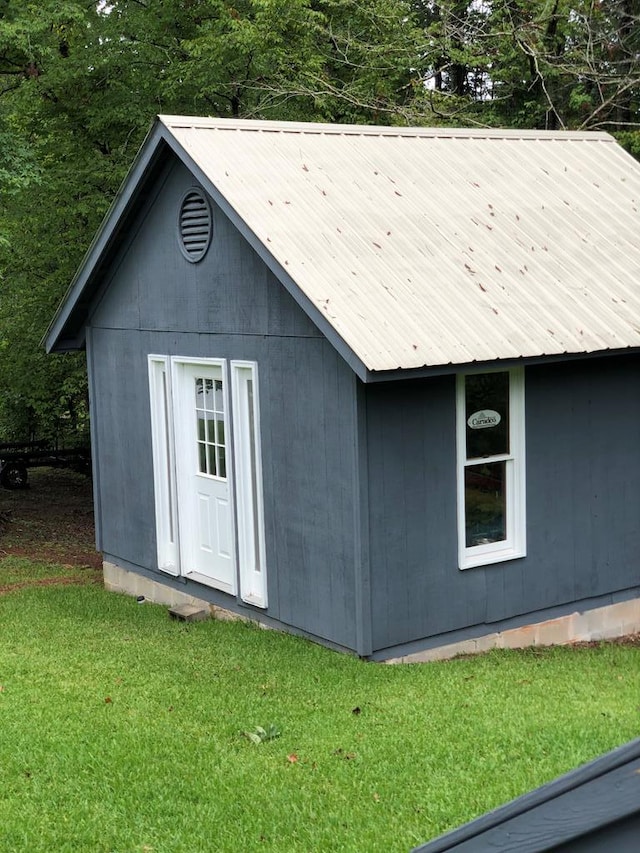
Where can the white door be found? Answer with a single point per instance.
(203, 469)
(209, 514)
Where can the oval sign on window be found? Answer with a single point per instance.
(483, 419)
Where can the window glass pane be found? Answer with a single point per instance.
(220, 425)
(253, 472)
(211, 435)
(219, 396)
(211, 451)
(201, 426)
(487, 414)
(208, 394)
(199, 394)
(485, 503)
(202, 458)
(222, 463)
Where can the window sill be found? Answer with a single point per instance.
(489, 557)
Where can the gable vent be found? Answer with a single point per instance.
(194, 226)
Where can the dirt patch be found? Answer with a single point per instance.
(626, 640)
(51, 521)
(91, 576)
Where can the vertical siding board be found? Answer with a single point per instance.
(95, 419)
(553, 491)
(152, 286)
(126, 473)
(342, 482)
(414, 574)
(361, 525)
(309, 486)
(314, 485)
(582, 479)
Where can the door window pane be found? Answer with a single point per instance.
(487, 414)
(209, 409)
(485, 503)
(211, 459)
(219, 398)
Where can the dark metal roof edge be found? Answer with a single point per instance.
(58, 336)
(570, 781)
(405, 374)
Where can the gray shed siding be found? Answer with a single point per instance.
(583, 502)
(229, 306)
(359, 481)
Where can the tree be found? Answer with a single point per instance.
(517, 63)
(79, 86)
(80, 83)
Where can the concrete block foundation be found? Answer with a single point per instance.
(601, 623)
(117, 579)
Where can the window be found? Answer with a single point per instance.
(209, 403)
(491, 477)
(251, 545)
(162, 448)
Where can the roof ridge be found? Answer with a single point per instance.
(319, 128)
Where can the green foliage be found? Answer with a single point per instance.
(79, 86)
(630, 139)
(553, 64)
(81, 82)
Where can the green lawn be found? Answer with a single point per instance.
(122, 730)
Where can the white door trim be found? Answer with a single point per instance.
(248, 480)
(171, 432)
(164, 480)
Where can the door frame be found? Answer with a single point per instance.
(167, 433)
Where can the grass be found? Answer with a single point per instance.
(123, 731)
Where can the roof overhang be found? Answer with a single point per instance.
(430, 301)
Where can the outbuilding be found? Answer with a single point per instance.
(378, 386)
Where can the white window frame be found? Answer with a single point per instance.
(164, 481)
(514, 545)
(248, 484)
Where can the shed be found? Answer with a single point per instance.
(378, 386)
(593, 808)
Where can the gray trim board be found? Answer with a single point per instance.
(95, 445)
(364, 638)
(594, 796)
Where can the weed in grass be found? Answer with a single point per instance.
(260, 735)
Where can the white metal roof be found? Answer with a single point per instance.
(434, 247)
